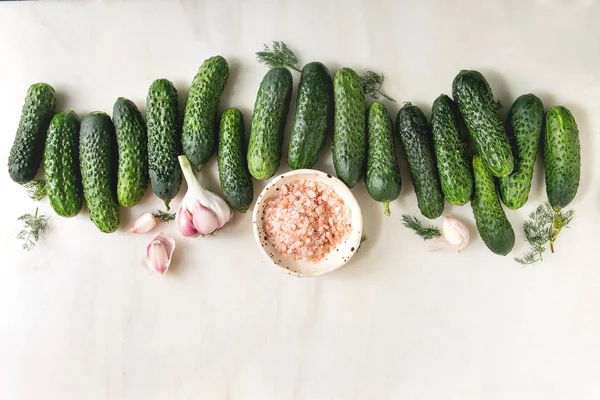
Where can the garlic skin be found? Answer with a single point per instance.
(159, 253)
(201, 212)
(143, 224)
(455, 233)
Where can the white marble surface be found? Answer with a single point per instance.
(80, 319)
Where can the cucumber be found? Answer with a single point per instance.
(453, 167)
(28, 147)
(198, 132)
(525, 121)
(236, 182)
(493, 226)
(164, 144)
(476, 103)
(97, 162)
(132, 141)
(349, 128)
(61, 164)
(312, 120)
(415, 137)
(383, 174)
(268, 122)
(562, 157)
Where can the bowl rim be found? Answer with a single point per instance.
(348, 196)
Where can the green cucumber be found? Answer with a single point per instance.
(415, 137)
(164, 145)
(97, 162)
(236, 182)
(476, 103)
(349, 128)
(28, 147)
(268, 123)
(198, 133)
(132, 141)
(525, 121)
(453, 167)
(312, 120)
(61, 164)
(493, 226)
(562, 157)
(383, 174)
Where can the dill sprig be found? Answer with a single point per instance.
(560, 220)
(538, 232)
(36, 189)
(363, 239)
(163, 216)
(35, 226)
(371, 83)
(279, 56)
(413, 223)
(541, 229)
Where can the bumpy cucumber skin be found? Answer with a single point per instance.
(236, 182)
(198, 136)
(61, 164)
(493, 226)
(525, 121)
(268, 123)
(383, 174)
(132, 141)
(349, 127)
(453, 167)
(96, 158)
(476, 103)
(562, 157)
(312, 120)
(416, 141)
(28, 147)
(164, 143)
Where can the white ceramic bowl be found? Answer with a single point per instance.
(338, 256)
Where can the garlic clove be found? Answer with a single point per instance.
(455, 233)
(439, 244)
(144, 223)
(159, 254)
(185, 222)
(205, 221)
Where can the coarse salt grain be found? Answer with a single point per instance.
(305, 220)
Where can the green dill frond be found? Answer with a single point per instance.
(35, 226)
(563, 218)
(529, 258)
(542, 228)
(371, 83)
(560, 220)
(36, 189)
(163, 216)
(413, 223)
(278, 56)
(363, 239)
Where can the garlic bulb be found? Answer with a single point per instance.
(201, 211)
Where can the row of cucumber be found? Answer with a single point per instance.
(438, 158)
(112, 160)
(108, 162)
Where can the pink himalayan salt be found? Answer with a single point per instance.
(305, 220)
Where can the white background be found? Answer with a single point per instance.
(81, 319)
